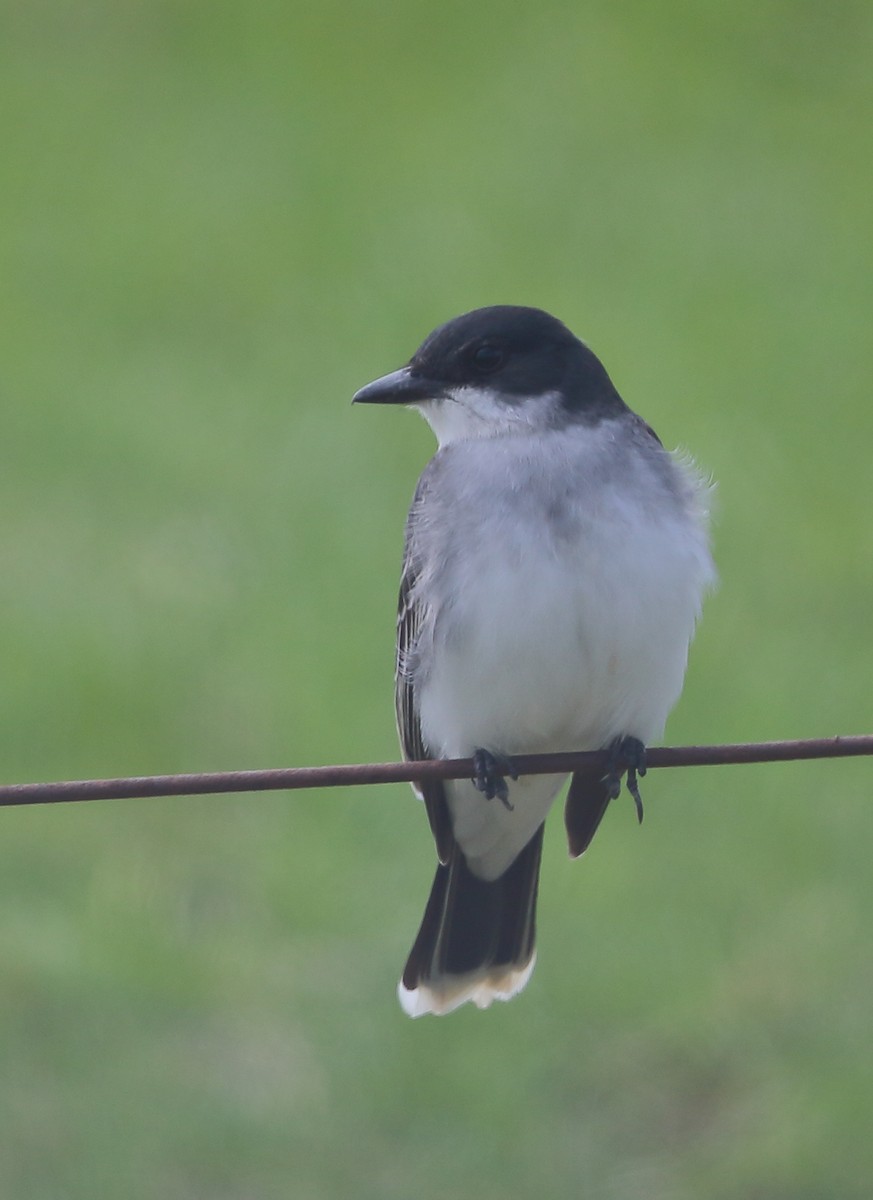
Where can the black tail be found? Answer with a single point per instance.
(476, 940)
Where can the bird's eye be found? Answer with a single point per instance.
(488, 358)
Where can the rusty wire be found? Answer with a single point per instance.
(360, 774)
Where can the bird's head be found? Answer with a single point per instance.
(498, 370)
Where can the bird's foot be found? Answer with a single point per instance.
(626, 754)
(489, 778)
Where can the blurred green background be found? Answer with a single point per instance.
(217, 221)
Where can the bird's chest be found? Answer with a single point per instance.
(525, 626)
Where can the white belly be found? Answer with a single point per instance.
(554, 644)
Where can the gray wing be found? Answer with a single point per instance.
(409, 617)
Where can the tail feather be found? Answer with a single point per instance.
(477, 938)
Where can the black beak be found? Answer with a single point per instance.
(400, 387)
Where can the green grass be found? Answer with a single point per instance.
(217, 221)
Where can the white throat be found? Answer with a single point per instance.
(470, 413)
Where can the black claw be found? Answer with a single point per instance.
(490, 770)
(634, 788)
(626, 754)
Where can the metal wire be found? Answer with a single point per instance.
(361, 774)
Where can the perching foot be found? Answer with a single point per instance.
(626, 754)
(490, 770)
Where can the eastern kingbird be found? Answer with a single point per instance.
(556, 558)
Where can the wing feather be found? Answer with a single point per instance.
(410, 613)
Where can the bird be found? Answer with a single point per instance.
(556, 558)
